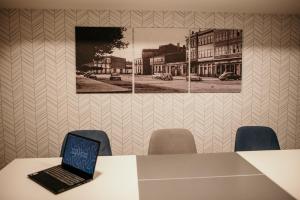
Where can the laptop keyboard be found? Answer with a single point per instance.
(63, 175)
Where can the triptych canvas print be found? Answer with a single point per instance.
(158, 60)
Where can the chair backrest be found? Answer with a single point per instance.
(101, 136)
(172, 141)
(251, 138)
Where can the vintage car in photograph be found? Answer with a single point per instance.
(156, 75)
(167, 77)
(115, 77)
(229, 76)
(87, 74)
(163, 76)
(194, 77)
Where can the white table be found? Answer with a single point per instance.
(282, 167)
(115, 179)
(116, 176)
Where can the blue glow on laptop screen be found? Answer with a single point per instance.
(81, 153)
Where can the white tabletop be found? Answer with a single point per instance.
(115, 178)
(282, 167)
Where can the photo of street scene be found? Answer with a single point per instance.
(104, 58)
(160, 60)
(216, 60)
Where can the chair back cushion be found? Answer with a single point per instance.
(98, 135)
(172, 141)
(250, 138)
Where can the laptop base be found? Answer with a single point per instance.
(52, 184)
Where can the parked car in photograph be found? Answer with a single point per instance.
(166, 77)
(115, 77)
(229, 76)
(194, 77)
(163, 76)
(87, 74)
(157, 75)
(78, 72)
(93, 76)
(90, 75)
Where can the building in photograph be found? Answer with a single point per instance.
(176, 68)
(228, 51)
(138, 63)
(170, 59)
(146, 55)
(205, 53)
(128, 69)
(107, 65)
(194, 49)
(215, 51)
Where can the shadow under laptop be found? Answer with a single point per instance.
(96, 174)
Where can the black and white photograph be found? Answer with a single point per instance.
(160, 60)
(104, 59)
(216, 60)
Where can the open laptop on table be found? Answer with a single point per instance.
(77, 167)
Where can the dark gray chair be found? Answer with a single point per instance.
(172, 141)
(100, 136)
(251, 138)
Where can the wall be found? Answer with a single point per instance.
(39, 104)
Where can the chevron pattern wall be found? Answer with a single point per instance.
(39, 104)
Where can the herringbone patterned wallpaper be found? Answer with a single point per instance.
(39, 104)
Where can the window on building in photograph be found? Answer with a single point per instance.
(230, 49)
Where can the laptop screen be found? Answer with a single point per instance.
(81, 153)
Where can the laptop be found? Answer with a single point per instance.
(77, 167)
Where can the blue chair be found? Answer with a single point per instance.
(100, 136)
(251, 138)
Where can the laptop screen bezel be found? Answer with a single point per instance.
(74, 170)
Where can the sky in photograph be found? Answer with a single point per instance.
(150, 38)
(128, 52)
